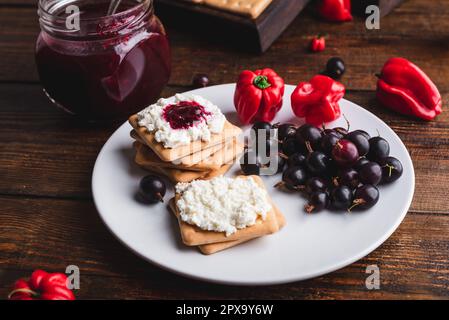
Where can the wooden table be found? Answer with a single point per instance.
(48, 219)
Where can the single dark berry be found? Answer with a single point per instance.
(349, 177)
(280, 164)
(296, 159)
(152, 189)
(365, 197)
(286, 130)
(335, 67)
(328, 142)
(200, 80)
(315, 184)
(341, 198)
(345, 153)
(391, 169)
(370, 173)
(364, 133)
(317, 163)
(250, 163)
(341, 131)
(328, 131)
(294, 177)
(290, 146)
(267, 148)
(360, 141)
(308, 134)
(262, 129)
(360, 163)
(378, 148)
(318, 201)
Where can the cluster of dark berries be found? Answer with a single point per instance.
(335, 168)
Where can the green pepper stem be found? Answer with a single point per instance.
(261, 82)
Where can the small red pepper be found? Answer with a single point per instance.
(317, 100)
(335, 10)
(318, 44)
(405, 88)
(42, 286)
(258, 95)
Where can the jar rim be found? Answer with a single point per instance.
(51, 22)
(45, 9)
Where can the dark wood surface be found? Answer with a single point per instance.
(386, 6)
(47, 217)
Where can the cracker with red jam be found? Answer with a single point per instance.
(171, 154)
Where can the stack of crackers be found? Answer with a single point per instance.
(210, 242)
(197, 160)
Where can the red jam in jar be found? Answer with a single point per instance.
(101, 66)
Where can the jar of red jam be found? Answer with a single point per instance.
(98, 65)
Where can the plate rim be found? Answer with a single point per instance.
(324, 271)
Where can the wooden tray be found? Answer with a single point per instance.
(256, 35)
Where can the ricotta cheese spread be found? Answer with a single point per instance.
(222, 204)
(211, 121)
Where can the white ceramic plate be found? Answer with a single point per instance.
(309, 246)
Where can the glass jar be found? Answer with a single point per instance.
(101, 66)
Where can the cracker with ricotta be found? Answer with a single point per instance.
(192, 235)
(212, 248)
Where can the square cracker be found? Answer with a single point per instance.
(194, 236)
(145, 157)
(191, 159)
(251, 8)
(226, 155)
(171, 154)
(212, 248)
(176, 175)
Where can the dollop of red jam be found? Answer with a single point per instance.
(184, 114)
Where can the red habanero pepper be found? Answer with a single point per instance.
(318, 44)
(258, 95)
(317, 100)
(335, 10)
(42, 286)
(405, 88)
